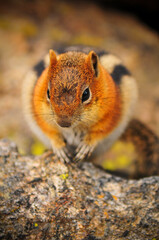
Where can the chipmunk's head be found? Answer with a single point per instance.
(71, 86)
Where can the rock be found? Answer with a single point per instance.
(42, 198)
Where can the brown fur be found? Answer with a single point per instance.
(147, 146)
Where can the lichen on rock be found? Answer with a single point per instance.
(42, 198)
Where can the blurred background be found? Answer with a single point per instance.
(28, 28)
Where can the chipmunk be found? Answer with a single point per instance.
(79, 101)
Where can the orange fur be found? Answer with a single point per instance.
(110, 109)
(39, 103)
(104, 90)
(59, 115)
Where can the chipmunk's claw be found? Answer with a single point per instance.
(62, 154)
(83, 151)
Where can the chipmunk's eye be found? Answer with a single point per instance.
(86, 95)
(48, 94)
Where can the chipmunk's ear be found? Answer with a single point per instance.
(92, 61)
(53, 58)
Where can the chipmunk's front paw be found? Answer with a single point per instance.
(62, 154)
(83, 151)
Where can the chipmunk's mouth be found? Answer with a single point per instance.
(64, 122)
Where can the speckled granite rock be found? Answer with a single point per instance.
(41, 198)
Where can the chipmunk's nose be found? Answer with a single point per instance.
(64, 122)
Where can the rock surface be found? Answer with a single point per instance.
(42, 198)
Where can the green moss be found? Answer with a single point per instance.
(123, 161)
(64, 8)
(5, 24)
(37, 148)
(35, 224)
(120, 147)
(29, 29)
(25, 27)
(87, 40)
(120, 156)
(109, 164)
(64, 176)
(58, 34)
